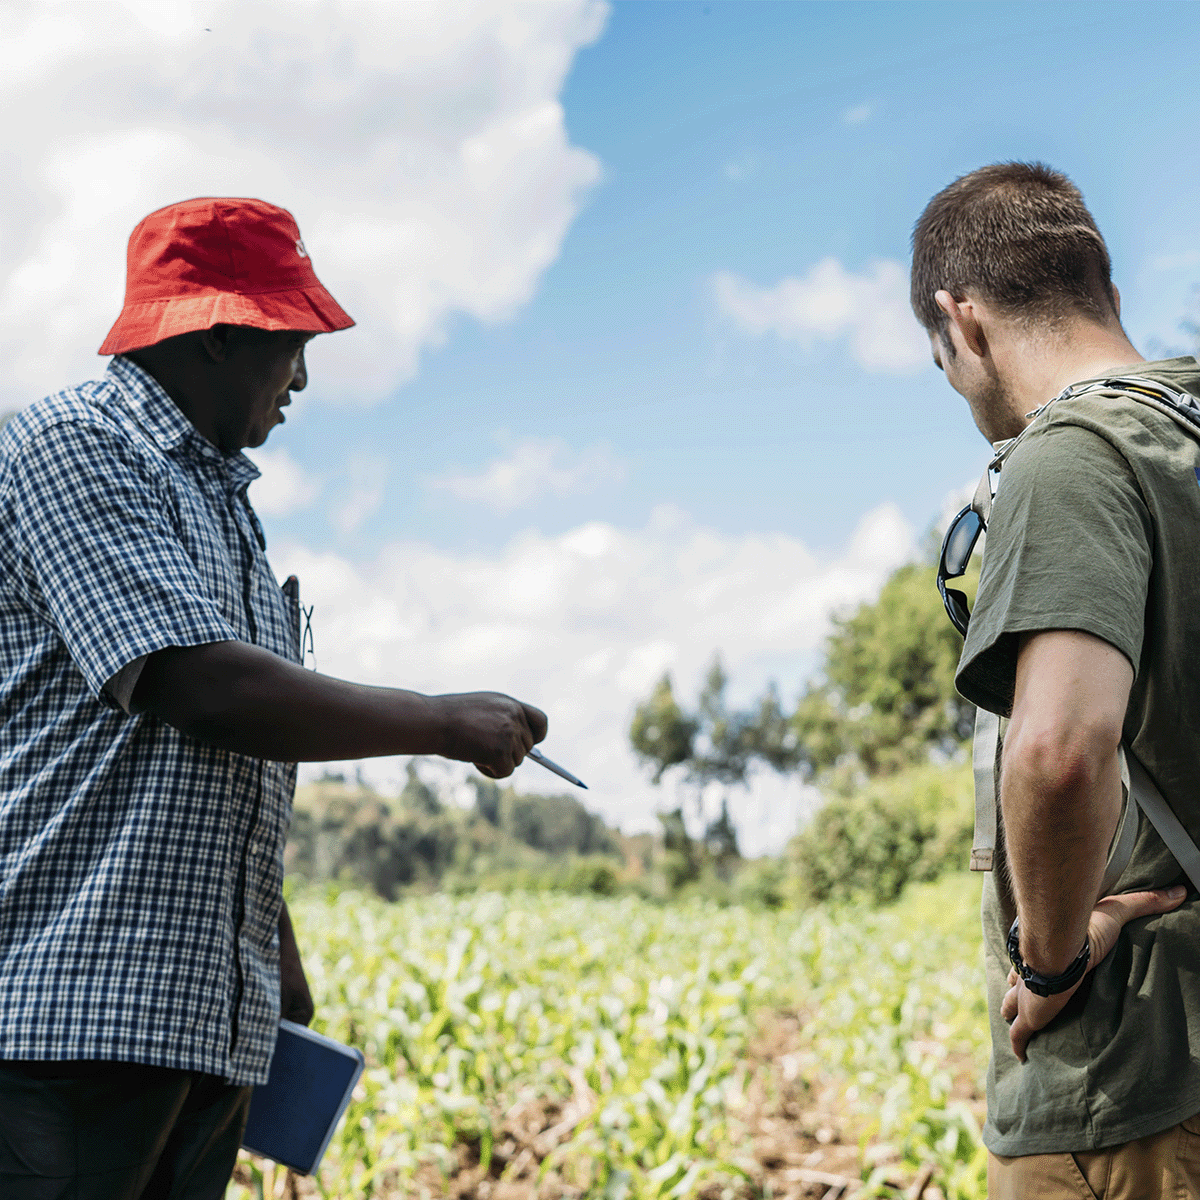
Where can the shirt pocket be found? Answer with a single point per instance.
(291, 600)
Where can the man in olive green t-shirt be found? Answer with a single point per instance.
(1086, 631)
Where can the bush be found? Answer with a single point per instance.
(359, 839)
(348, 833)
(912, 826)
(555, 824)
(589, 876)
(761, 883)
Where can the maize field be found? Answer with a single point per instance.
(530, 1046)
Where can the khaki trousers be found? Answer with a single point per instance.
(1163, 1166)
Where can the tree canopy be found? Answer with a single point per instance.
(884, 700)
(715, 744)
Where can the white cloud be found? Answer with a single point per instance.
(858, 114)
(953, 502)
(284, 487)
(871, 310)
(533, 468)
(421, 147)
(368, 477)
(585, 622)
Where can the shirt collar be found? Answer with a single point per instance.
(150, 406)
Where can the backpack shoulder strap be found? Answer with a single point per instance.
(1140, 793)
(985, 753)
(1182, 407)
(1152, 802)
(986, 762)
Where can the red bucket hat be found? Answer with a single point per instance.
(211, 262)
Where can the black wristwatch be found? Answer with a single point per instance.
(1047, 985)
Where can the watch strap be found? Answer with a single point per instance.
(1046, 985)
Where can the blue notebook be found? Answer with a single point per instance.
(293, 1115)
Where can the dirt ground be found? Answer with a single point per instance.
(805, 1146)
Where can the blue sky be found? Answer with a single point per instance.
(725, 144)
(634, 379)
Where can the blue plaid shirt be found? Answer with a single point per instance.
(140, 871)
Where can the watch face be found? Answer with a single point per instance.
(1014, 947)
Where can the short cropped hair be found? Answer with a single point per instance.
(1019, 236)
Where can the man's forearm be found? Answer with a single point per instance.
(1061, 786)
(1059, 819)
(245, 699)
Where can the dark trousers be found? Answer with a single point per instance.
(116, 1131)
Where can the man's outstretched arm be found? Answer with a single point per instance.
(248, 700)
(1061, 798)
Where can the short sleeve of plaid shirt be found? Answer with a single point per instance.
(99, 555)
(141, 871)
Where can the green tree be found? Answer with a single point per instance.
(870, 729)
(714, 744)
(721, 842)
(556, 824)
(886, 698)
(915, 824)
(662, 735)
(417, 795)
(487, 799)
(681, 858)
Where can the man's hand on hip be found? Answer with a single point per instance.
(1028, 1012)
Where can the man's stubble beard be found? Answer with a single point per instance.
(995, 411)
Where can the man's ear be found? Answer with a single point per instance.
(964, 316)
(215, 342)
(1117, 300)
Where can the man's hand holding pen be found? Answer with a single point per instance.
(489, 729)
(496, 733)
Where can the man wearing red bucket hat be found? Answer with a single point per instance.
(152, 710)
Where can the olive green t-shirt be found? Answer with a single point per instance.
(1096, 527)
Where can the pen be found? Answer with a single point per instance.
(539, 758)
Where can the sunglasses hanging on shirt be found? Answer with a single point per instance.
(965, 529)
(957, 547)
